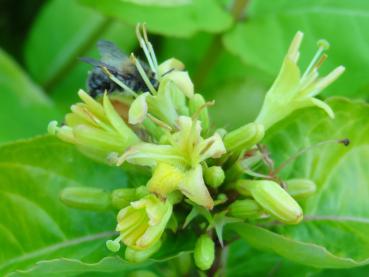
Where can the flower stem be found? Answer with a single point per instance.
(218, 266)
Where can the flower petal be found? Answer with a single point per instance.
(195, 189)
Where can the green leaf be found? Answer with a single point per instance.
(300, 252)
(73, 267)
(263, 39)
(25, 110)
(182, 21)
(243, 260)
(337, 215)
(37, 228)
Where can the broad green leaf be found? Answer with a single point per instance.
(36, 226)
(337, 215)
(181, 21)
(73, 267)
(263, 39)
(300, 252)
(25, 109)
(53, 57)
(243, 260)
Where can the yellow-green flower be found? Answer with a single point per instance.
(292, 91)
(143, 222)
(177, 164)
(95, 127)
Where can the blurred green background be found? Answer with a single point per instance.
(232, 52)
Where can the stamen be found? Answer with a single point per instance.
(145, 47)
(207, 147)
(151, 48)
(196, 115)
(159, 122)
(52, 128)
(118, 82)
(143, 74)
(321, 61)
(323, 45)
(114, 245)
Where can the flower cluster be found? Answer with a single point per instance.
(193, 167)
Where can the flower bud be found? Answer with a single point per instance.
(195, 104)
(300, 188)
(204, 252)
(138, 256)
(214, 176)
(245, 209)
(121, 198)
(275, 200)
(86, 198)
(165, 179)
(244, 137)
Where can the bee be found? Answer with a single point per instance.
(120, 66)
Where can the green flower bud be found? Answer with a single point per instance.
(300, 188)
(245, 209)
(143, 222)
(214, 176)
(138, 256)
(86, 198)
(244, 137)
(204, 252)
(275, 200)
(195, 104)
(121, 198)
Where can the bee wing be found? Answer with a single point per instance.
(111, 54)
(98, 63)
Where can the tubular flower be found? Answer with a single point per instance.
(178, 162)
(291, 91)
(96, 128)
(143, 222)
